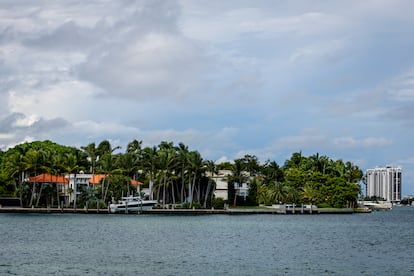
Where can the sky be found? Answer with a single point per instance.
(226, 78)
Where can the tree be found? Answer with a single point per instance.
(92, 153)
(211, 168)
(237, 177)
(310, 194)
(279, 192)
(71, 167)
(195, 162)
(149, 165)
(166, 159)
(32, 163)
(182, 163)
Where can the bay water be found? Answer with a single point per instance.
(379, 243)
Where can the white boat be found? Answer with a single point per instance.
(131, 204)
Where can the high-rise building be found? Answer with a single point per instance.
(384, 183)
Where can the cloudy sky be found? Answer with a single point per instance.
(226, 78)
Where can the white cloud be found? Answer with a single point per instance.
(327, 51)
(350, 142)
(151, 67)
(69, 99)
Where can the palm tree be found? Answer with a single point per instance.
(57, 169)
(46, 166)
(279, 192)
(272, 172)
(166, 159)
(195, 162)
(150, 165)
(237, 176)
(15, 168)
(310, 193)
(92, 153)
(183, 153)
(134, 148)
(71, 166)
(212, 170)
(32, 162)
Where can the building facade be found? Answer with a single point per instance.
(221, 190)
(384, 183)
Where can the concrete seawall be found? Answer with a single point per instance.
(270, 211)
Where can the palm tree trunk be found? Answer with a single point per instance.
(33, 192)
(173, 191)
(40, 194)
(192, 192)
(57, 196)
(106, 190)
(21, 177)
(151, 186)
(163, 191)
(207, 192)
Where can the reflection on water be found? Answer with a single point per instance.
(380, 243)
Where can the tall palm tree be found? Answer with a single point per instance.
(15, 167)
(135, 149)
(46, 166)
(127, 165)
(238, 176)
(71, 167)
(150, 165)
(92, 153)
(195, 162)
(32, 163)
(134, 146)
(212, 170)
(106, 164)
(182, 157)
(166, 159)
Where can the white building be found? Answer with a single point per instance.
(221, 191)
(384, 183)
(221, 183)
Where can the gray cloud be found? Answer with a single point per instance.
(12, 130)
(68, 36)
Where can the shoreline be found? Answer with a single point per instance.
(297, 211)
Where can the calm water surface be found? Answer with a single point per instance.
(380, 243)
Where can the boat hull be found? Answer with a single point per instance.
(132, 206)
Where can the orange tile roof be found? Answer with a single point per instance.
(48, 178)
(135, 183)
(96, 179)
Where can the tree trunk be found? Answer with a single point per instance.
(163, 191)
(173, 191)
(192, 191)
(207, 192)
(33, 192)
(40, 194)
(151, 186)
(106, 191)
(57, 196)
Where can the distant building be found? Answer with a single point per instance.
(221, 191)
(384, 183)
(221, 183)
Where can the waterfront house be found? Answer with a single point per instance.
(221, 191)
(60, 181)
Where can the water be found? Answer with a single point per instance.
(381, 243)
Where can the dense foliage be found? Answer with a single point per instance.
(174, 174)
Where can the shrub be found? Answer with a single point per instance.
(218, 203)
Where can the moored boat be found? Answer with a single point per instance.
(131, 204)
